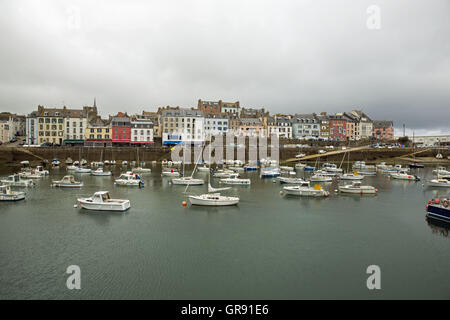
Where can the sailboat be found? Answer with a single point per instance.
(188, 180)
(414, 164)
(350, 176)
(213, 198)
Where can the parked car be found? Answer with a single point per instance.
(322, 151)
(47, 144)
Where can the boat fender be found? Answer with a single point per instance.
(376, 190)
(437, 201)
(446, 203)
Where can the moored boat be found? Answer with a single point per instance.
(129, 179)
(403, 175)
(141, 170)
(236, 181)
(16, 181)
(170, 172)
(270, 173)
(101, 173)
(288, 180)
(188, 181)
(439, 182)
(7, 195)
(305, 190)
(357, 188)
(439, 209)
(213, 200)
(101, 201)
(83, 170)
(351, 176)
(321, 178)
(67, 182)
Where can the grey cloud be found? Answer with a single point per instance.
(288, 56)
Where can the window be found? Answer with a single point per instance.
(99, 136)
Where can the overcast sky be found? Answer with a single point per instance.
(286, 56)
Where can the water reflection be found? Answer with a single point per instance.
(438, 226)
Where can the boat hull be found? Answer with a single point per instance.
(67, 185)
(305, 192)
(438, 212)
(12, 197)
(357, 190)
(201, 201)
(125, 205)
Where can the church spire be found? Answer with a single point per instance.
(95, 104)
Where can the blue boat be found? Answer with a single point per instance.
(439, 209)
(250, 168)
(270, 173)
(308, 168)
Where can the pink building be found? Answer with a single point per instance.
(383, 129)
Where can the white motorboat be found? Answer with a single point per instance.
(236, 181)
(270, 173)
(141, 170)
(83, 162)
(40, 170)
(170, 172)
(384, 166)
(76, 163)
(441, 171)
(203, 168)
(29, 175)
(320, 178)
(67, 182)
(286, 168)
(101, 201)
(368, 173)
(439, 183)
(305, 190)
(300, 166)
(351, 176)
(331, 167)
(300, 155)
(357, 188)
(129, 179)
(100, 173)
(225, 174)
(7, 195)
(83, 170)
(97, 164)
(56, 162)
(403, 175)
(188, 181)
(250, 167)
(213, 200)
(69, 161)
(16, 181)
(72, 168)
(124, 163)
(106, 162)
(236, 169)
(288, 180)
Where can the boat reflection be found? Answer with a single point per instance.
(438, 226)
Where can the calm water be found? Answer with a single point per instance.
(268, 247)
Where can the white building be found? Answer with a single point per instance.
(31, 129)
(182, 125)
(364, 125)
(305, 126)
(430, 141)
(216, 123)
(141, 131)
(279, 126)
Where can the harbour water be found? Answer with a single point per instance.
(268, 247)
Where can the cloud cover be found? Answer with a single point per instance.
(286, 56)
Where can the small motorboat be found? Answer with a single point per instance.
(16, 180)
(308, 168)
(439, 182)
(288, 180)
(403, 175)
(438, 209)
(300, 166)
(67, 182)
(415, 165)
(225, 174)
(129, 179)
(56, 162)
(170, 172)
(101, 201)
(305, 190)
(351, 176)
(40, 170)
(286, 168)
(83, 170)
(357, 188)
(331, 167)
(270, 173)
(384, 166)
(320, 178)
(203, 169)
(124, 163)
(441, 171)
(213, 200)
(7, 195)
(83, 162)
(97, 164)
(141, 170)
(236, 181)
(106, 162)
(29, 175)
(188, 181)
(69, 161)
(76, 163)
(100, 173)
(72, 168)
(250, 167)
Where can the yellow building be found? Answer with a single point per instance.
(98, 133)
(50, 125)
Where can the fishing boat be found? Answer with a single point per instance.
(441, 171)
(439, 182)
(357, 188)
(320, 178)
(141, 170)
(270, 173)
(170, 172)
(101, 173)
(288, 180)
(67, 182)
(16, 181)
(101, 201)
(7, 195)
(351, 176)
(439, 209)
(236, 181)
(305, 190)
(403, 175)
(188, 181)
(129, 179)
(83, 170)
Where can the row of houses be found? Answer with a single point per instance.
(11, 125)
(173, 125)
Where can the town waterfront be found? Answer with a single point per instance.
(268, 247)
